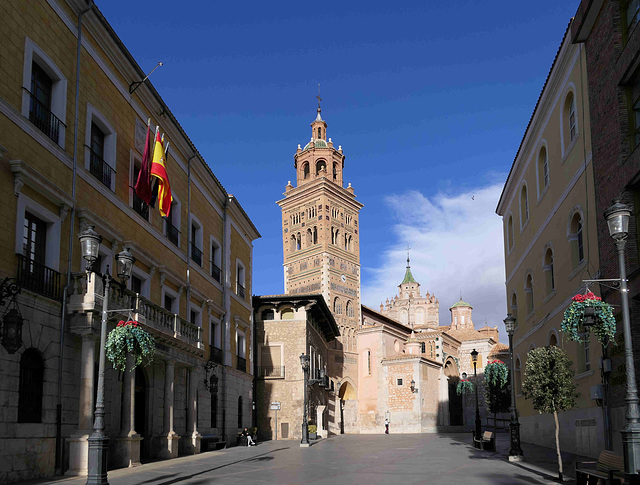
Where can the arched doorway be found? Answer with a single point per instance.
(345, 393)
(455, 400)
(140, 417)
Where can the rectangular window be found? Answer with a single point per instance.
(271, 361)
(216, 273)
(40, 103)
(97, 165)
(173, 233)
(168, 303)
(138, 204)
(399, 382)
(240, 280)
(34, 238)
(196, 252)
(136, 284)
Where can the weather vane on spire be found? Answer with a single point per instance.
(408, 249)
(318, 96)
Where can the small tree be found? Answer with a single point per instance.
(548, 382)
(496, 389)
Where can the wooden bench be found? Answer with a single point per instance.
(486, 442)
(609, 468)
(210, 442)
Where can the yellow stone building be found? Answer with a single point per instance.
(550, 240)
(72, 132)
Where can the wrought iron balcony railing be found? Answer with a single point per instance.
(39, 278)
(42, 117)
(196, 254)
(215, 272)
(100, 169)
(216, 355)
(241, 291)
(271, 371)
(140, 206)
(173, 234)
(242, 364)
(85, 296)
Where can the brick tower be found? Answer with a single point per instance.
(320, 229)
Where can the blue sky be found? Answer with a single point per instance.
(429, 101)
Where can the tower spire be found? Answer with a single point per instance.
(318, 117)
(408, 277)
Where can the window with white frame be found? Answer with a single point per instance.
(524, 206)
(195, 250)
(543, 170)
(195, 315)
(44, 93)
(139, 282)
(100, 148)
(241, 350)
(215, 257)
(240, 279)
(170, 300)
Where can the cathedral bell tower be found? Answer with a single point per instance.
(320, 228)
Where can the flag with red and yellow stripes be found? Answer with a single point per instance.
(159, 170)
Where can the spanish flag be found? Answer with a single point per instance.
(159, 170)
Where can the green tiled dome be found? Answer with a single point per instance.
(461, 303)
(317, 143)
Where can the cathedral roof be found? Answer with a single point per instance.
(408, 277)
(460, 303)
(466, 334)
(499, 348)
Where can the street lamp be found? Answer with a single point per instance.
(515, 452)
(304, 362)
(617, 217)
(478, 431)
(98, 441)
(414, 389)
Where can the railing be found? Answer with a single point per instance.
(271, 371)
(196, 254)
(38, 278)
(242, 364)
(100, 169)
(216, 355)
(173, 234)
(215, 272)
(140, 206)
(241, 291)
(86, 296)
(42, 117)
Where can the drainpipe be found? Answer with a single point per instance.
(189, 241)
(226, 255)
(59, 447)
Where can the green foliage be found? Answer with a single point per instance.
(604, 327)
(548, 380)
(496, 389)
(496, 373)
(129, 337)
(464, 387)
(312, 428)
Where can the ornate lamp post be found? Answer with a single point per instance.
(98, 441)
(617, 217)
(515, 452)
(474, 359)
(304, 362)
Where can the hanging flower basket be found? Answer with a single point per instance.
(129, 338)
(464, 387)
(604, 326)
(496, 373)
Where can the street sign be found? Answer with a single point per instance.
(275, 406)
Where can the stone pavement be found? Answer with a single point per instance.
(439, 459)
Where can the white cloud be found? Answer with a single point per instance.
(456, 248)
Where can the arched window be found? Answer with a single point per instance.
(576, 239)
(293, 242)
(570, 121)
(553, 340)
(404, 317)
(319, 132)
(305, 170)
(309, 238)
(514, 306)
(298, 242)
(337, 306)
(528, 290)
(510, 233)
(31, 384)
(286, 314)
(315, 235)
(423, 347)
(548, 271)
(240, 412)
(335, 171)
(543, 170)
(320, 165)
(524, 206)
(420, 316)
(267, 315)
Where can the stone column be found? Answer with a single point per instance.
(192, 412)
(78, 445)
(171, 438)
(127, 452)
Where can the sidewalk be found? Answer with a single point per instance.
(538, 459)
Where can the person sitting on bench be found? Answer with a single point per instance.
(250, 442)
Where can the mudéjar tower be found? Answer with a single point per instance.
(320, 233)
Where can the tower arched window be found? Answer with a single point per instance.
(320, 165)
(305, 170)
(337, 306)
(350, 310)
(514, 306)
(319, 132)
(315, 235)
(576, 239)
(571, 122)
(335, 171)
(548, 270)
(528, 289)
(510, 233)
(31, 385)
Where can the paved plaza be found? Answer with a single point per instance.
(437, 459)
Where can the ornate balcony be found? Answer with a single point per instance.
(168, 328)
(100, 169)
(41, 116)
(39, 278)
